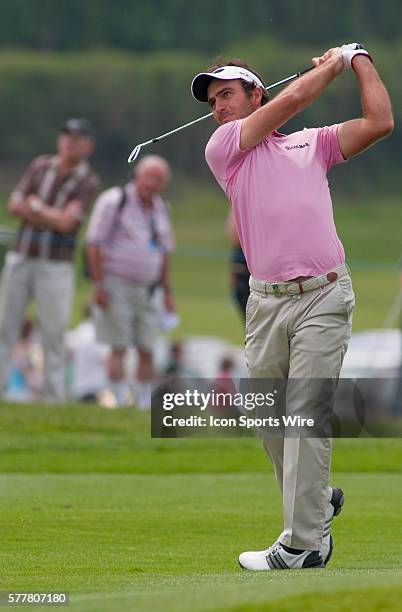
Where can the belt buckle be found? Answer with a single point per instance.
(275, 289)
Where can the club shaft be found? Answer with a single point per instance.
(289, 78)
(178, 129)
(182, 127)
(135, 151)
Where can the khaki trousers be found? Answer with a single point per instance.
(301, 336)
(51, 285)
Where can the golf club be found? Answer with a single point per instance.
(136, 151)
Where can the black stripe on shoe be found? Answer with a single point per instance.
(331, 549)
(275, 562)
(270, 563)
(281, 561)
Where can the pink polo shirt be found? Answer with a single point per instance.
(281, 199)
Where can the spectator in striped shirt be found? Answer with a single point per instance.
(129, 242)
(51, 201)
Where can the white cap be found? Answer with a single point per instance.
(199, 86)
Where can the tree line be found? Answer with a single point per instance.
(146, 25)
(131, 98)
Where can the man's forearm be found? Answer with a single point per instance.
(305, 90)
(63, 220)
(95, 263)
(96, 271)
(165, 275)
(36, 212)
(19, 209)
(357, 135)
(289, 102)
(376, 103)
(52, 218)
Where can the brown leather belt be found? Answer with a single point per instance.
(298, 279)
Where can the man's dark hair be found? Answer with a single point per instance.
(248, 87)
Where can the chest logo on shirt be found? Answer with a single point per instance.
(298, 146)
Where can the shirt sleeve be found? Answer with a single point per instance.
(86, 192)
(223, 152)
(102, 219)
(27, 183)
(328, 146)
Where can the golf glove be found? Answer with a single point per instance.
(350, 51)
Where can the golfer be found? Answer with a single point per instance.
(299, 313)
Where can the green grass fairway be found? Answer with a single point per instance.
(90, 504)
(176, 537)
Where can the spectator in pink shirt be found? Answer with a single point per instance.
(299, 313)
(129, 242)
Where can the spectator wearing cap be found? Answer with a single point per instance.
(51, 200)
(128, 245)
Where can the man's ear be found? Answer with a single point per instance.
(257, 95)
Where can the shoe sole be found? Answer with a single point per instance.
(322, 566)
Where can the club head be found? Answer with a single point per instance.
(134, 153)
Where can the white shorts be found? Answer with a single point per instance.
(132, 317)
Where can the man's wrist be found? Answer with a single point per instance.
(336, 65)
(350, 52)
(36, 204)
(361, 59)
(99, 285)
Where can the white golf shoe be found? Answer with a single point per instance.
(279, 557)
